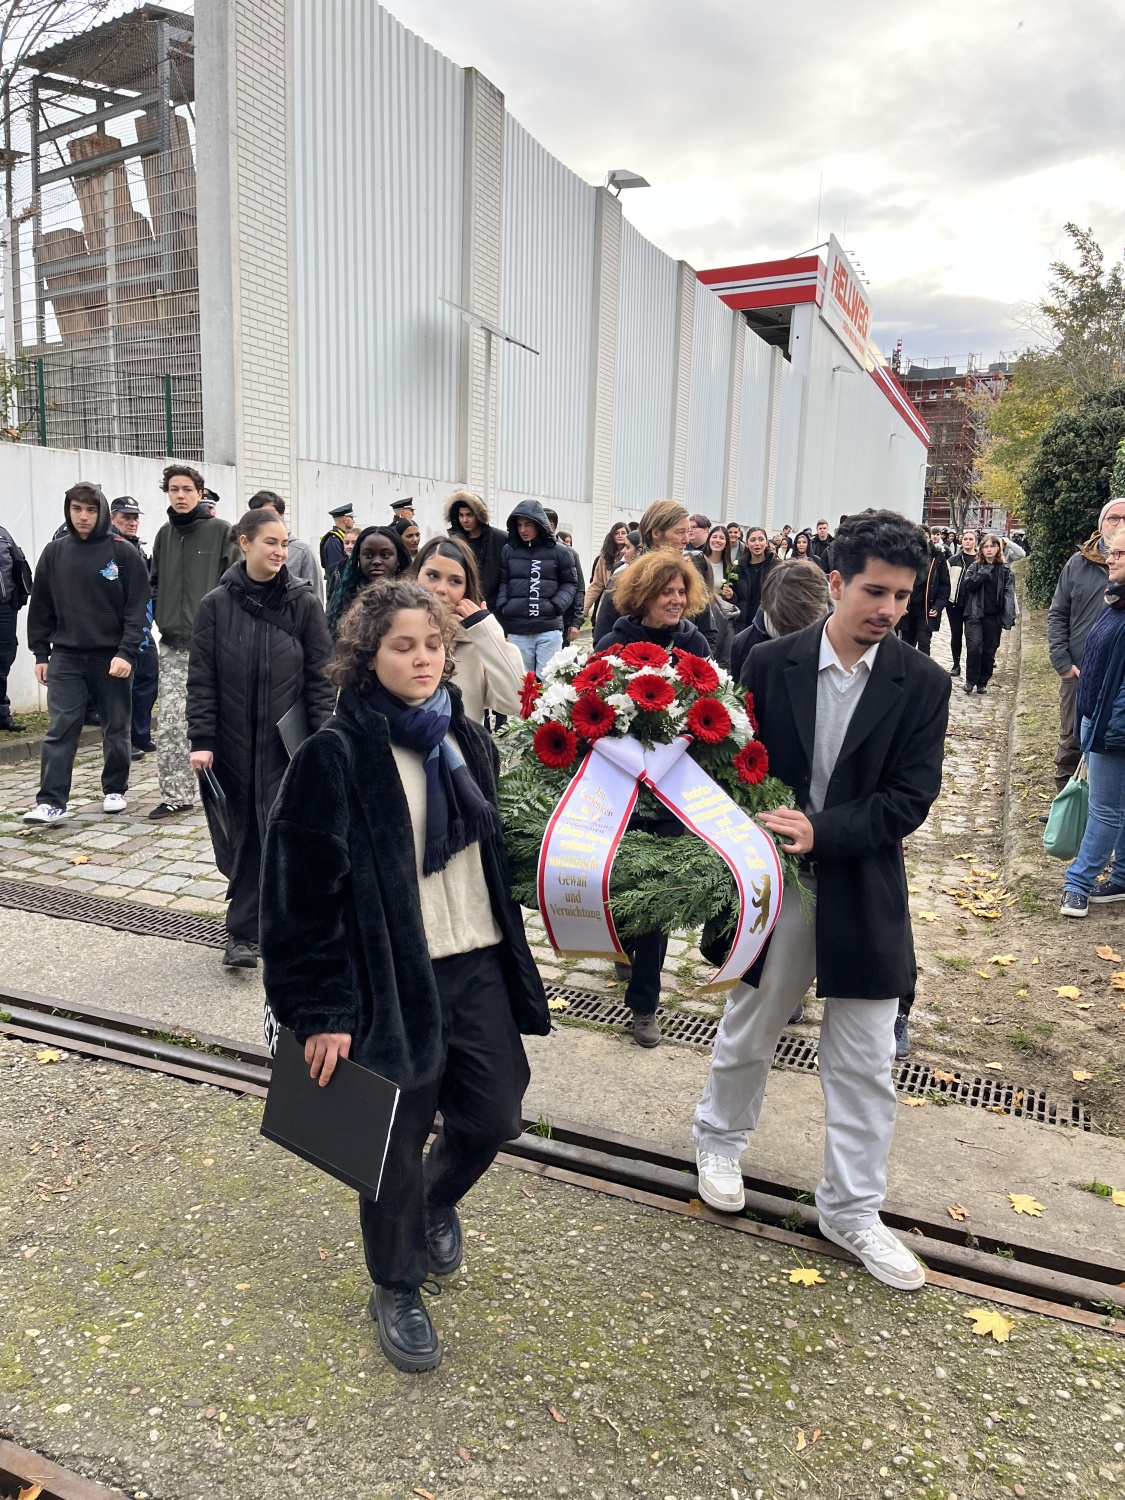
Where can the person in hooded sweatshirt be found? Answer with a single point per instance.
(467, 517)
(259, 647)
(538, 583)
(88, 614)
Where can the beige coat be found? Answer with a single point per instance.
(487, 668)
(598, 580)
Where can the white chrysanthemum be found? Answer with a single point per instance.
(557, 696)
(740, 727)
(626, 709)
(562, 661)
(677, 711)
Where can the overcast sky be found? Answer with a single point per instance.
(954, 140)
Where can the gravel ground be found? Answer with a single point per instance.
(183, 1314)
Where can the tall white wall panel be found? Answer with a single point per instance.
(707, 415)
(788, 446)
(546, 297)
(378, 151)
(750, 504)
(646, 355)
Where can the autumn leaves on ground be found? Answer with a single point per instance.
(1007, 988)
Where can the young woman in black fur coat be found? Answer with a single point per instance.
(389, 935)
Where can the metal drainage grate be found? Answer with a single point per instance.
(797, 1052)
(122, 916)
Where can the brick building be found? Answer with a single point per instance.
(954, 405)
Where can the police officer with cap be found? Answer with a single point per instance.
(403, 509)
(332, 553)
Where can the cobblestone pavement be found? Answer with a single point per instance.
(170, 864)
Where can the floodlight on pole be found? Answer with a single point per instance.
(621, 178)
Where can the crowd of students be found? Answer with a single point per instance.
(362, 846)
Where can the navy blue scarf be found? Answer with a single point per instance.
(457, 811)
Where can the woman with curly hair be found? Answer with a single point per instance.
(389, 935)
(379, 553)
(664, 527)
(654, 594)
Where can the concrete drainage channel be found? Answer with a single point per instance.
(1021, 1101)
(23, 1473)
(1024, 1276)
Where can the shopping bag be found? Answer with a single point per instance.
(1066, 823)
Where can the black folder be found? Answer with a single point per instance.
(293, 727)
(343, 1128)
(215, 807)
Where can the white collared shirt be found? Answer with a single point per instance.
(838, 691)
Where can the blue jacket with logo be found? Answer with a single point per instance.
(538, 581)
(89, 594)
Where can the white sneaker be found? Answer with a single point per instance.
(114, 802)
(45, 813)
(883, 1254)
(720, 1181)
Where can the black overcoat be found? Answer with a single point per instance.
(886, 778)
(244, 674)
(342, 940)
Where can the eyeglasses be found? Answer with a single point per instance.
(1118, 519)
(1115, 554)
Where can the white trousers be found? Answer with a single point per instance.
(856, 1053)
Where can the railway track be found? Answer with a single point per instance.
(1082, 1291)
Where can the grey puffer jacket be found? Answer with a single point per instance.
(1078, 600)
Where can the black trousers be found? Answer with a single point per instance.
(244, 889)
(956, 631)
(917, 634)
(479, 1095)
(8, 618)
(646, 954)
(146, 683)
(982, 637)
(73, 678)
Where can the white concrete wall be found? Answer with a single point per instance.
(32, 484)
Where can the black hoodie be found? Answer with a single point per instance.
(538, 580)
(89, 594)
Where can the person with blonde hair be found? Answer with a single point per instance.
(665, 527)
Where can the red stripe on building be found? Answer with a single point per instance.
(892, 388)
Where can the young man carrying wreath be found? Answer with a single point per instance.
(854, 722)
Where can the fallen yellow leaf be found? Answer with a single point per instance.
(1024, 1203)
(48, 1055)
(1003, 959)
(81, 859)
(241, 1286)
(929, 916)
(1022, 994)
(1105, 950)
(1081, 1076)
(940, 1077)
(957, 1211)
(1035, 960)
(964, 856)
(987, 1320)
(30, 1492)
(1068, 992)
(1118, 980)
(1118, 1197)
(801, 1443)
(985, 973)
(915, 1103)
(558, 1004)
(806, 1276)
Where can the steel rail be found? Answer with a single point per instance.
(609, 1162)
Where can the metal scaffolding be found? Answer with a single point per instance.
(101, 278)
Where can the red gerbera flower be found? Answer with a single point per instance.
(650, 692)
(594, 674)
(752, 763)
(643, 654)
(592, 717)
(696, 671)
(555, 745)
(529, 692)
(708, 721)
(748, 705)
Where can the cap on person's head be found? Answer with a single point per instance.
(407, 504)
(125, 505)
(340, 511)
(211, 496)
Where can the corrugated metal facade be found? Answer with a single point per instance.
(749, 506)
(378, 146)
(646, 351)
(546, 296)
(707, 417)
(788, 446)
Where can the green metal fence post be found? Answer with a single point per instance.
(168, 433)
(41, 386)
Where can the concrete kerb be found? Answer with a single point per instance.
(1008, 831)
(19, 750)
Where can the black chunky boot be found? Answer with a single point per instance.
(406, 1335)
(444, 1243)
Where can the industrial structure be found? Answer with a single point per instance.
(290, 241)
(955, 404)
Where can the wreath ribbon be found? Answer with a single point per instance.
(585, 832)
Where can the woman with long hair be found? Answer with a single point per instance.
(486, 667)
(411, 534)
(988, 599)
(390, 937)
(604, 565)
(801, 544)
(379, 554)
(259, 647)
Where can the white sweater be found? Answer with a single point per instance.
(456, 911)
